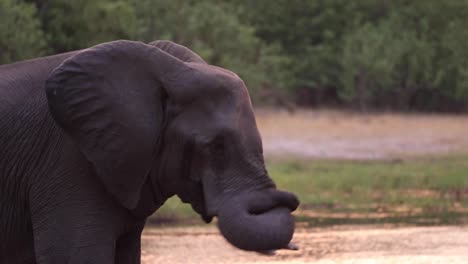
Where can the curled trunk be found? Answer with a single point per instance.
(256, 225)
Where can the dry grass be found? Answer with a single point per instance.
(337, 134)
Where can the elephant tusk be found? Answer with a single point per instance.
(292, 246)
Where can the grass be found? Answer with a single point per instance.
(425, 190)
(175, 212)
(415, 191)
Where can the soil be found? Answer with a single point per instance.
(357, 245)
(347, 135)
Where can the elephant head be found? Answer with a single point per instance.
(158, 115)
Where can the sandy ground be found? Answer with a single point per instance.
(343, 135)
(356, 245)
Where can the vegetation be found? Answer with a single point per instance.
(367, 54)
(418, 191)
(20, 34)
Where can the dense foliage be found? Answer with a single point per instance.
(367, 54)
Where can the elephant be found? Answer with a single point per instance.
(94, 141)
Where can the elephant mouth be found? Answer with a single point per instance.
(194, 195)
(201, 209)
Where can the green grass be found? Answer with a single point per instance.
(377, 191)
(363, 181)
(174, 211)
(426, 190)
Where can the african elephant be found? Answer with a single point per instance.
(94, 141)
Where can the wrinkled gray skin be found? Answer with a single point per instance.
(94, 141)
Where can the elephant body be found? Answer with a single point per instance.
(23, 116)
(80, 174)
(36, 202)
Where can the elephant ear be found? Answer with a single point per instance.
(108, 99)
(178, 51)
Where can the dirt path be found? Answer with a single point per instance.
(332, 134)
(357, 245)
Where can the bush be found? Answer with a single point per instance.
(21, 36)
(400, 55)
(216, 33)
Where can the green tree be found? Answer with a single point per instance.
(213, 30)
(386, 60)
(72, 25)
(453, 73)
(21, 36)
(310, 33)
(412, 58)
(399, 54)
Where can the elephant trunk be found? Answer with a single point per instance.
(258, 221)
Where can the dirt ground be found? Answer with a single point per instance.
(345, 135)
(356, 245)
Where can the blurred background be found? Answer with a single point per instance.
(361, 104)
